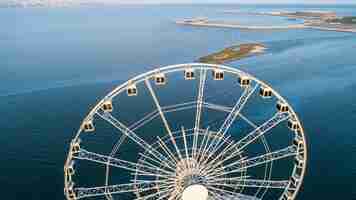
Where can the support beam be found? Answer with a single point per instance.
(237, 109)
(134, 137)
(255, 161)
(200, 98)
(158, 195)
(119, 163)
(253, 183)
(185, 143)
(223, 194)
(112, 189)
(261, 130)
(255, 134)
(163, 117)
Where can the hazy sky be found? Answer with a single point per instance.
(236, 1)
(203, 1)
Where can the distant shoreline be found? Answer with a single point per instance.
(222, 24)
(319, 20)
(30, 4)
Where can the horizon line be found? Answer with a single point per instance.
(214, 3)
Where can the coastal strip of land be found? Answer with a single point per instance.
(319, 20)
(234, 53)
(223, 24)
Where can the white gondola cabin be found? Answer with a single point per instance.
(282, 107)
(75, 146)
(218, 74)
(295, 179)
(293, 125)
(70, 169)
(298, 142)
(131, 90)
(88, 126)
(70, 191)
(107, 106)
(244, 81)
(265, 92)
(189, 74)
(299, 161)
(288, 196)
(160, 79)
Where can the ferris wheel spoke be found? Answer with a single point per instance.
(215, 145)
(226, 179)
(202, 81)
(185, 143)
(167, 109)
(215, 168)
(154, 175)
(195, 144)
(161, 194)
(227, 109)
(146, 119)
(218, 156)
(112, 153)
(215, 195)
(262, 159)
(237, 109)
(178, 107)
(160, 181)
(153, 160)
(234, 150)
(237, 196)
(202, 145)
(119, 163)
(165, 195)
(248, 121)
(217, 107)
(133, 136)
(255, 183)
(225, 194)
(82, 192)
(146, 162)
(216, 162)
(165, 148)
(175, 195)
(163, 117)
(261, 130)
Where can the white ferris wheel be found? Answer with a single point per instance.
(232, 138)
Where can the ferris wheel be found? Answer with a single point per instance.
(188, 132)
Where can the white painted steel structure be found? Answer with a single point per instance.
(194, 159)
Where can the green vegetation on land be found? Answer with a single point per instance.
(233, 53)
(344, 20)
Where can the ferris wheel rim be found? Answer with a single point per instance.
(180, 67)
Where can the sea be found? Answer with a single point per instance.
(57, 63)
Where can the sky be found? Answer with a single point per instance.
(261, 1)
(203, 1)
(237, 1)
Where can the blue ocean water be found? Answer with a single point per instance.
(57, 62)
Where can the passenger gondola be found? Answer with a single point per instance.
(218, 74)
(160, 79)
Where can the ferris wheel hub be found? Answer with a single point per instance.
(195, 192)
